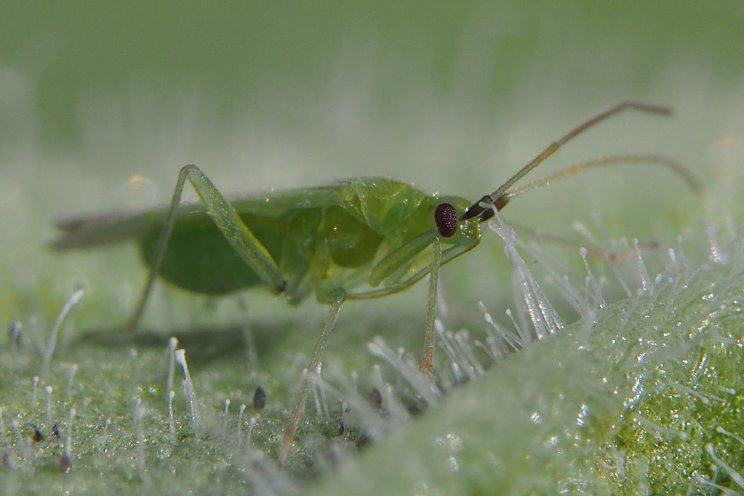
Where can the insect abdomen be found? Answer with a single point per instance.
(201, 260)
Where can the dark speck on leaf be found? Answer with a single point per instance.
(38, 436)
(65, 464)
(376, 397)
(259, 399)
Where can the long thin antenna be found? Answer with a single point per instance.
(578, 168)
(483, 208)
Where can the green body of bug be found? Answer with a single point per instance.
(322, 239)
(361, 238)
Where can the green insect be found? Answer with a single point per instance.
(358, 239)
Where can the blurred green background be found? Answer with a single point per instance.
(146, 87)
(60, 60)
(234, 55)
(450, 96)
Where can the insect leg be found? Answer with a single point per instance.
(400, 256)
(447, 255)
(229, 223)
(431, 308)
(312, 368)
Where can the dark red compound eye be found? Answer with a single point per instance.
(446, 218)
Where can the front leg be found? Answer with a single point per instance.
(431, 308)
